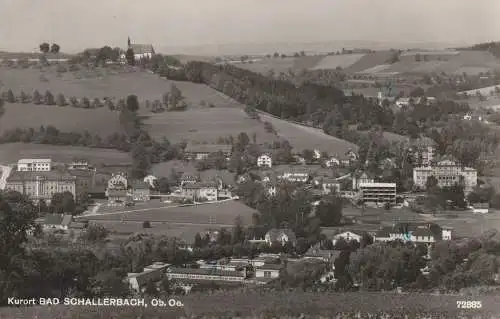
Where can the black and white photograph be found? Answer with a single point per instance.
(250, 159)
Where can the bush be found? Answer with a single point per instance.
(49, 98)
(146, 224)
(61, 100)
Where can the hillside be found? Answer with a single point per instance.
(100, 121)
(205, 125)
(11, 152)
(303, 137)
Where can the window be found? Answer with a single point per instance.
(267, 274)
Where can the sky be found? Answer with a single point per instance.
(77, 24)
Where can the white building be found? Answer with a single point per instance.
(150, 179)
(447, 173)
(281, 236)
(264, 161)
(348, 236)
(360, 178)
(34, 165)
(378, 192)
(268, 271)
(480, 208)
(332, 162)
(300, 176)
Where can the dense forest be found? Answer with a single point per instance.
(492, 47)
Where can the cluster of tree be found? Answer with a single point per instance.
(64, 203)
(467, 141)
(46, 48)
(492, 47)
(50, 99)
(450, 197)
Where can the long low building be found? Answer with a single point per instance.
(378, 192)
(206, 274)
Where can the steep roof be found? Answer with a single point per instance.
(274, 233)
(137, 184)
(142, 48)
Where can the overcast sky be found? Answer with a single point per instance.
(78, 24)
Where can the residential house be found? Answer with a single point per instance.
(140, 191)
(188, 178)
(426, 233)
(151, 274)
(347, 236)
(316, 154)
(264, 160)
(282, 236)
(404, 101)
(481, 208)
(330, 185)
(268, 271)
(151, 180)
(296, 175)
(34, 165)
(360, 177)
(324, 255)
(117, 197)
(201, 191)
(201, 151)
(447, 173)
(57, 222)
(118, 181)
(332, 162)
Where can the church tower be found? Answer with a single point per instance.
(128, 42)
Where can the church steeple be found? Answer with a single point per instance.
(128, 42)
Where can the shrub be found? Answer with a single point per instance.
(61, 100)
(74, 102)
(49, 98)
(146, 224)
(37, 98)
(85, 103)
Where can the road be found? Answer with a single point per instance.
(5, 173)
(150, 209)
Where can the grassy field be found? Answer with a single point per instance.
(100, 121)
(205, 125)
(223, 213)
(263, 66)
(10, 153)
(332, 62)
(165, 169)
(302, 137)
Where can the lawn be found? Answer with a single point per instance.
(205, 125)
(303, 137)
(106, 82)
(100, 121)
(332, 62)
(223, 213)
(10, 153)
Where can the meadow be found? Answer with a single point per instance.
(99, 121)
(337, 61)
(303, 137)
(11, 152)
(221, 213)
(205, 125)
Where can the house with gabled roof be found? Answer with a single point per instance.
(140, 191)
(280, 235)
(360, 177)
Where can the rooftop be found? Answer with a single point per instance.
(205, 271)
(54, 175)
(377, 185)
(31, 160)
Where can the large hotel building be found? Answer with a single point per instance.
(447, 173)
(39, 179)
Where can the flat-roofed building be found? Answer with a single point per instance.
(198, 274)
(34, 165)
(378, 192)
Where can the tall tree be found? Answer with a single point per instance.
(132, 103)
(130, 57)
(55, 48)
(44, 47)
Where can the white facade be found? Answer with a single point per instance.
(447, 174)
(363, 179)
(316, 154)
(296, 176)
(264, 161)
(267, 273)
(117, 181)
(378, 192)
(446, 233)
(150, 179)
(331, 162)
(34, 165)
(347, 236)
